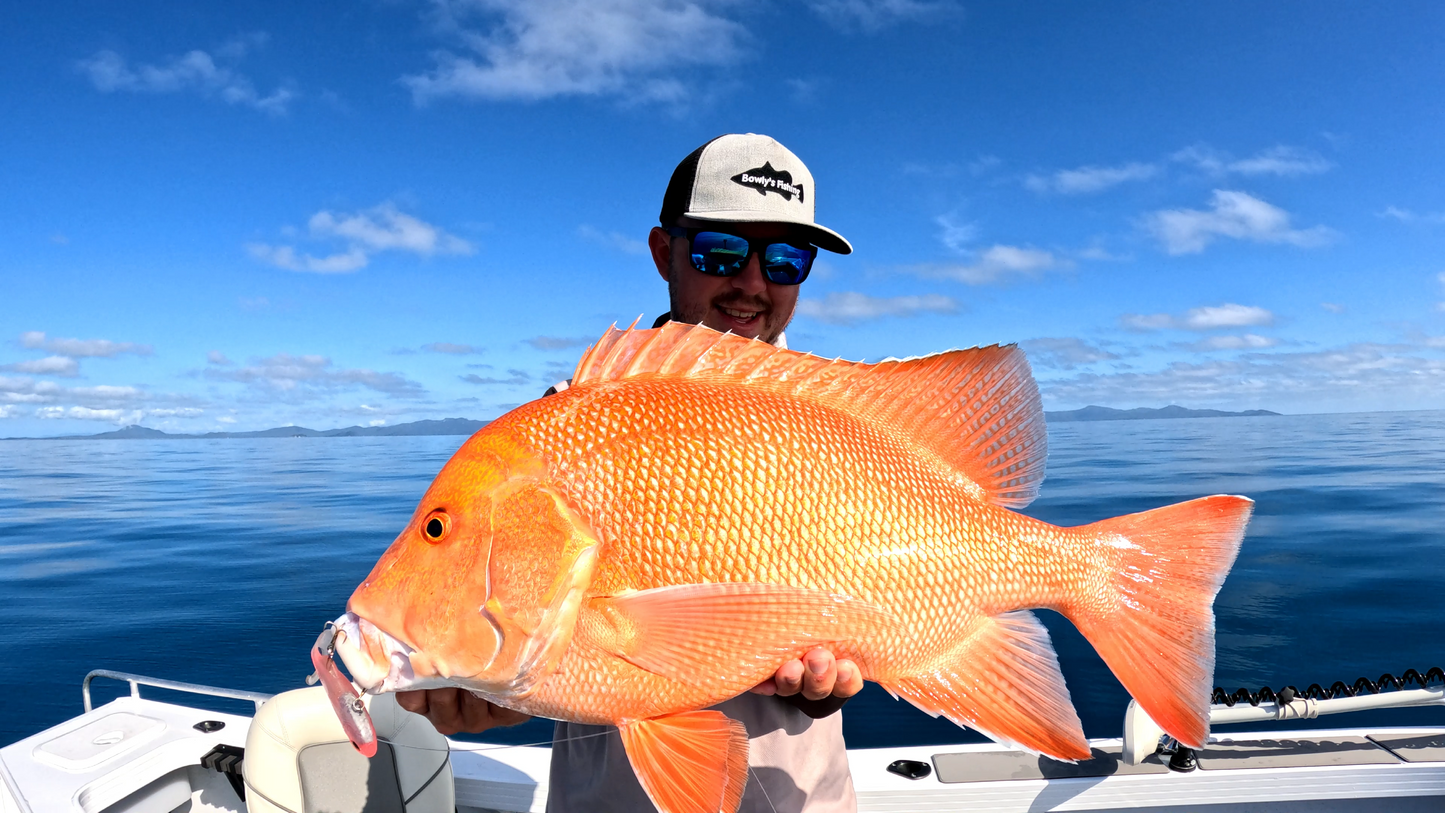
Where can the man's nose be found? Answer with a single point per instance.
(751, 280)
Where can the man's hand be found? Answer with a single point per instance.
(452, 710)
(817, 675)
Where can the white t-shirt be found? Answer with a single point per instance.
(795, 764)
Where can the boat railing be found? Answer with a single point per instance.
(1142, 735)
(137, 681)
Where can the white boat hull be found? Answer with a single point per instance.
(147, 761)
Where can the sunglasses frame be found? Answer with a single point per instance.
(753, 248)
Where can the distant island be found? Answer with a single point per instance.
(1098, 413)
(467, 426)
(446, 426)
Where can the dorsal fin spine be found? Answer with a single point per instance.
(639, 360)
(978, 410)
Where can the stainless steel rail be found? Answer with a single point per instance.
(1142, 734)
(136, 681)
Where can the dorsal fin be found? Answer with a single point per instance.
(978, 409)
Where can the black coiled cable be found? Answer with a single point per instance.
(1338, 689)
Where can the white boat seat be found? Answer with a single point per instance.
(298, 760)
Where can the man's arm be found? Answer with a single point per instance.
(815, 684)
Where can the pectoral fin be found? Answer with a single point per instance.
(731, 631)
(694, 762)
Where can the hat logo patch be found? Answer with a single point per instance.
(765, 179)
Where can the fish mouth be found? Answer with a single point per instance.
(378, 662)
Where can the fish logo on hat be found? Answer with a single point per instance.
(765, 179)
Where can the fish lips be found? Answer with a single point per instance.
(378, 662)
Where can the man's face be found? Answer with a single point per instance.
(747, 304)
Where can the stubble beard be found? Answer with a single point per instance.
(694, 316)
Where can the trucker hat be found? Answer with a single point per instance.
(746, 178)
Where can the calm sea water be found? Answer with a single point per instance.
(217, 562)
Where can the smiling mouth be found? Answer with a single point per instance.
(740, 315)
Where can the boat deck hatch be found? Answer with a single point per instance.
(1300, 753)
(85, 747)
(997, 766)
(1429, 748)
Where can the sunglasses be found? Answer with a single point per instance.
(720, 254)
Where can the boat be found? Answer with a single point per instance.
(138, 754)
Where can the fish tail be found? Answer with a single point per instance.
(1153, 619)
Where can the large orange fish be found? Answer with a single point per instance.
(698, 508)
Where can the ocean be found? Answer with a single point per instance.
(218, 561)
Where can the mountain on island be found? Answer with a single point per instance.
(446, 426)
(1098, 413)
(467, 426)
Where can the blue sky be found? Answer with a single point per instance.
(236, 216)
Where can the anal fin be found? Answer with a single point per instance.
(1002, 679)
(693, 762)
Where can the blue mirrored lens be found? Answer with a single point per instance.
(725, 255)
(787, 264)
(721, 255)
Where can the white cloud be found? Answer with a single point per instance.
(1359, 376)
(385, 228)
(637, 50)
(1280, 160)
(1247, 341)
(538, 49)
(804, 91)
(117, 416)
(1408, 216)
(451, 349)
(105, 402)
(120, 417)
(995, 264)
(1147, 321)
(1227, 315)
(1209, 317)
(303, 377)
(196, 71)
(81, 348)
(612, 239)
(1089, 179)
(558, 342)
(218, 358)
(850, 307)
(954, 235)
(106, 393)
(514, 378)
(287, 258)
(380, 228)
(1332, 307)
(1236, 215)
(875, 14)
(1064, 353)
(63, 366)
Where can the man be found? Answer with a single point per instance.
(736, 239)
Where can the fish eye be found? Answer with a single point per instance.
(436, 526)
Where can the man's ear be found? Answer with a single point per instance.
(660, 244)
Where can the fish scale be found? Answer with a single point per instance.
(698, 508)
(828, 542)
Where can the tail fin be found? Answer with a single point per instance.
(1154, 622)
